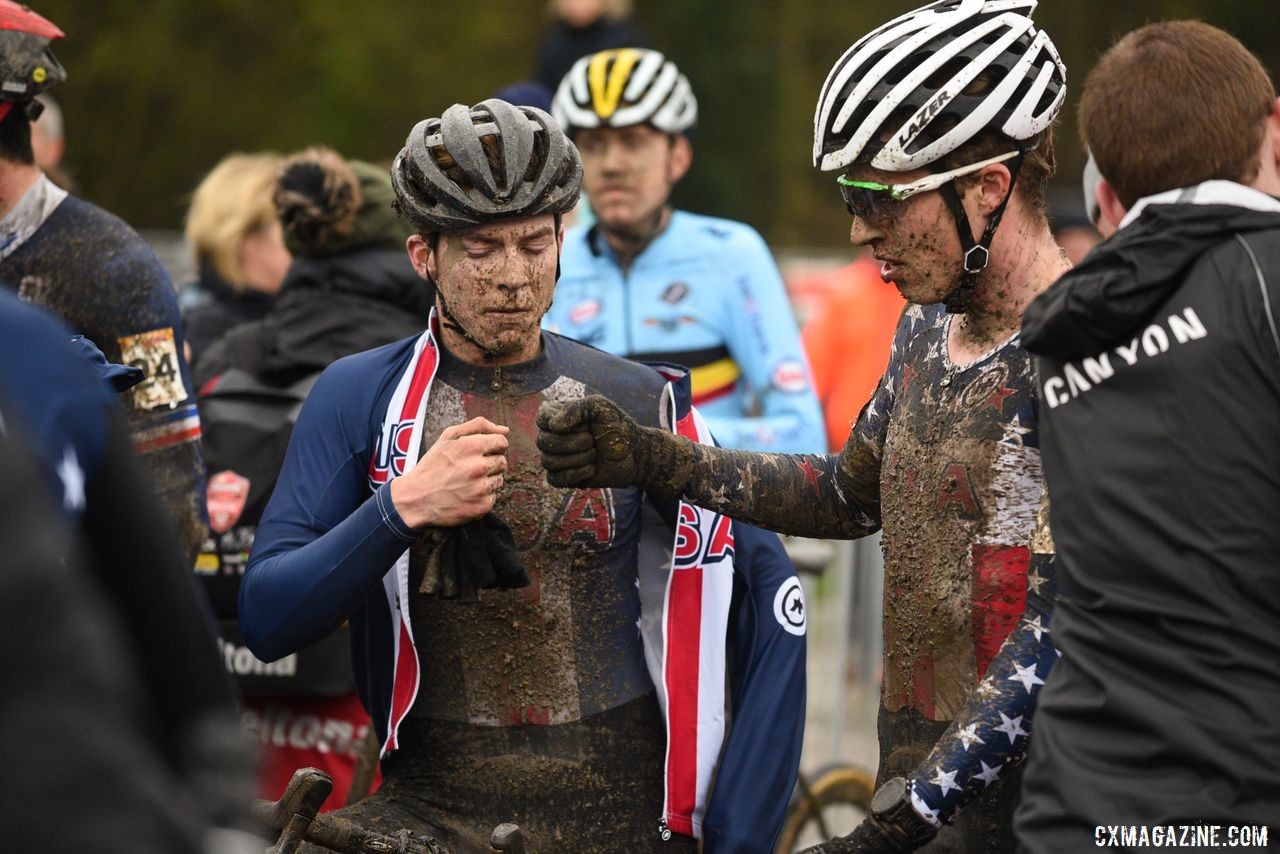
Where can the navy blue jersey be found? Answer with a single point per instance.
(62, 408)
(94, 272)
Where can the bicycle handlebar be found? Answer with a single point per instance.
(296, 818)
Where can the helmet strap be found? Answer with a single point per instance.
(977, 253)
(450, 321)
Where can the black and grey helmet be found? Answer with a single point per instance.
(27, 65)
(541, 171)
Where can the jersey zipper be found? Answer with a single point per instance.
(626, 315)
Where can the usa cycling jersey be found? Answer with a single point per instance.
(330, 542)
(705, 294)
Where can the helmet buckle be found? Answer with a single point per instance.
(975, 260)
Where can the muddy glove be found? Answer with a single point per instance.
(591, 442)
(893, 827)
(458, 562)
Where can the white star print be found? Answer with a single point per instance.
(1014, 431)
(945, 780)
(1012, 728)
(72, 477)
(969, 735)
(1027, 676)
(1035, 627)
(986, 689)
(720, 494)
(1034, 580)
(988, 775)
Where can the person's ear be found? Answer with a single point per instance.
(1272, 144)
(422, 255)
(1109, 204)
(681, 157)
(993, 184)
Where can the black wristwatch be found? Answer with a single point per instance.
(891, 807)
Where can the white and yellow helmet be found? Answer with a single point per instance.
(623, 87)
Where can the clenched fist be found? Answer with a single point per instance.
(591, 442)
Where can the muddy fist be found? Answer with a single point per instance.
(588, 442)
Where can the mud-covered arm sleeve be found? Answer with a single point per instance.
(324, 542)
(142, 322)
(808, 495)
(762, 753)
(764, 341)
(991, 734)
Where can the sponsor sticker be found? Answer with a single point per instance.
(226, 496)
(675, 292)
(156, 355)
(789, 607)
(790, 376)
(585, 311)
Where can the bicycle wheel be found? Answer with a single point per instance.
(830, 802)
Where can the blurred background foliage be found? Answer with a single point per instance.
(159, 90)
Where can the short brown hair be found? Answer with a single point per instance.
(1038, 164)
(1172, 105)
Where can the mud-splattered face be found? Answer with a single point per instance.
(917, 246)
(497, 280)
(628, 174)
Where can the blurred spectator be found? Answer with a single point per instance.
(1076, 235)
(847, 338)
(350, 287)
(49, 143)
(579, 28)
(238, 247)
(526, 93)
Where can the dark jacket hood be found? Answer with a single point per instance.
(327, 308)
(1124, 280)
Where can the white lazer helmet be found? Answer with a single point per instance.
(897, 99)
(623, 87)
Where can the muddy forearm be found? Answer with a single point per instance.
(808, 495)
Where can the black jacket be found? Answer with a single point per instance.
(211, 308)
(327, 308)
(1160, 420)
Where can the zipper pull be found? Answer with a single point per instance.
(664, 832)
(496, 383)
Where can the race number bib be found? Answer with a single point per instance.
(156, 354)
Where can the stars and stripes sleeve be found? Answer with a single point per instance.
(990, 736)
